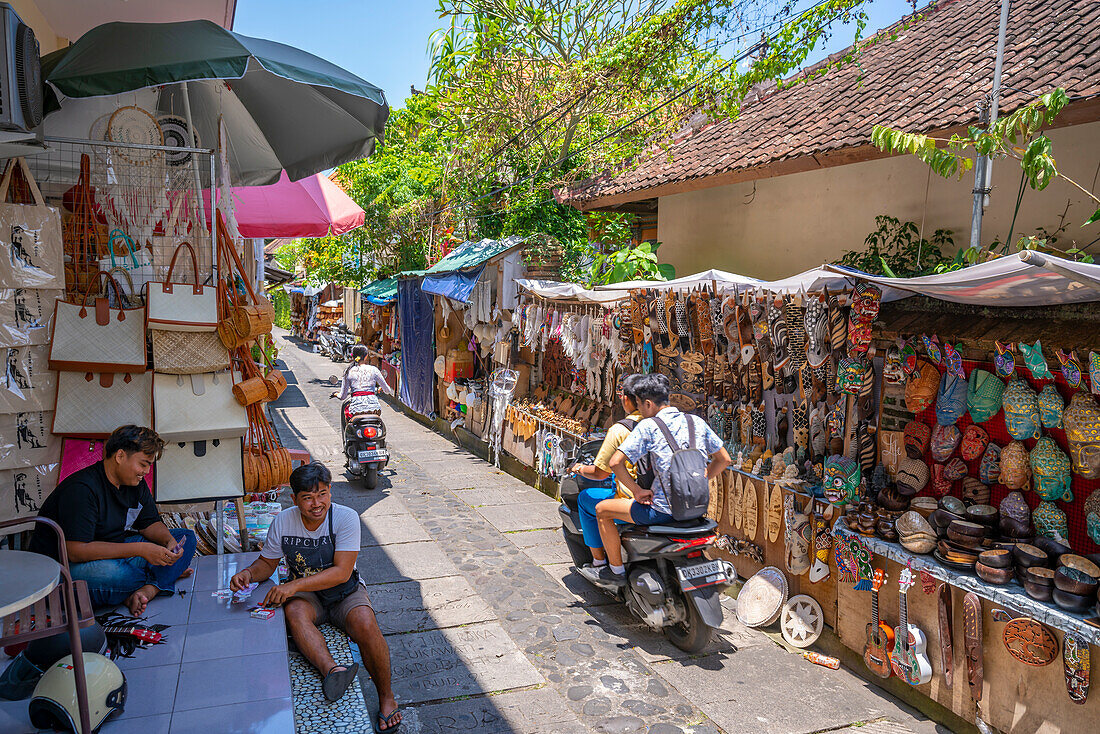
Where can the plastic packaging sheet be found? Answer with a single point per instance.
(23, 490)
(30, 247)
(27, 383)
(26, 440)
(26, 315)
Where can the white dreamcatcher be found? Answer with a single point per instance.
(502, 385)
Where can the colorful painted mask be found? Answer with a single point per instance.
(1004, 360)
(834, 421)
(866, 298)
(983, 395)
(954, 361)
(950, 399)
(1082, 422)
(1050, 468)
(1051, 522)
(917, 435)
(1092, 516)
(1051, 406)
(908, 357)
(1094, 372)
(816, 321)
(954, 470)
(1014, 506)
(1071, 367)
(859, 336)
(892, 371)
(1035, 361)
(913, 476)
(920, 391)
(989, 471)
(1021, 406)
(842, 477)
(945, 439)
(1015, 469)
(850, 374)
(974, 441)
(941, 485)
(932, 348)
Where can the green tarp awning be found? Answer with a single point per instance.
(381, 291)
(474, 254)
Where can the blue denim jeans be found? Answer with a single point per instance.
(586, 504)
(111, 580)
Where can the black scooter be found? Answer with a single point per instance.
(671, 586)
(364, 444)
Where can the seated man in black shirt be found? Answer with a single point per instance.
(114, 536)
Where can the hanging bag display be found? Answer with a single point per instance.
(251, 388)
(93, 404)
(25, 440)
(188, 352)
(79, 453)
(200, 471)
(176, 306)
(98, 338)
(32, 254)
(274, 379)
(133, 259)
(193, 407)
(257, 316)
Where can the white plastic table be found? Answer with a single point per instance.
(25, 578)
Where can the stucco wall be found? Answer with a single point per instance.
(29, 13)
(795, 222)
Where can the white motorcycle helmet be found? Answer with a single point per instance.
(54, 705)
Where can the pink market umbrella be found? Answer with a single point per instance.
(311, 207)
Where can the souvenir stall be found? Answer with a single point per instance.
(906, 462)
(378, 328)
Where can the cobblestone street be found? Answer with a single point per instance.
(489, 630)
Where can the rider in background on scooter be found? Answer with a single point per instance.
(650, 506)
(601, 469)
(362, 382)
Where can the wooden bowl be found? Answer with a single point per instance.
(913, 523)
(1082, 564)
(996, 558)
(1039, 575)
(941, 518)
(966, 541)
(1027, 555)
(925, 506)
(885, 529)
(1038, 592)
(1077, 582)
(919, 544)
(997, 576)
(965, 527)
(955, 553)
(1015, 528)
(986, 515)
(1072, 602)
(954, 505)
(1053, 548)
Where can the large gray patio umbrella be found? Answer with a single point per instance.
(284, 108)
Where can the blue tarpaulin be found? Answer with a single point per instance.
(417, 317)
(456, 286)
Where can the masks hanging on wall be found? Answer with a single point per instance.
(1082, 422)
(842, 476)
(1051, 406)
(989, 471)
(974, 440)
(1050, 468)
(1021, 406)
(917, 435)
(913, 476)
(983, 395)
(1015, 466)
(950, 399)
(945, 439)
(921, 389)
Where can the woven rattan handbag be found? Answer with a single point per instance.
(188, 352)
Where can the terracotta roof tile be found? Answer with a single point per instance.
(932, 76)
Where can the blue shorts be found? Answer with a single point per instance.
(648, 515)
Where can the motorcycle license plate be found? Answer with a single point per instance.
(701, 575)
(373, 455)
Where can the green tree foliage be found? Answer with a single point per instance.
(897, 250)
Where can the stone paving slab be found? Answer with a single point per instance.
(402, 562)
(794, 697)
(519, 494)
(544, 547)
(389, 529)
(534, 517)
(368, 502)
(415, 606)
(652, 647)
(440, 664)
(586, 594)
(540, 711)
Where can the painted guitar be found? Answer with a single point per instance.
(910, 659)
(880, 638)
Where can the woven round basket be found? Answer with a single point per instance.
(762, 598)
(250, 391)
(276, 384)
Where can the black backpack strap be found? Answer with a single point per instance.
(628, 423)
(667, 433)
(691, 430)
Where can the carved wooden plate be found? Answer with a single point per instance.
(733, 501)
(714, 492)
(801, 621)
(1030, 642)
(762, 597)
(721, 482)
(749, 509)
(775, 511)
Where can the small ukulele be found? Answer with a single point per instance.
(910, 659)
(880, 638)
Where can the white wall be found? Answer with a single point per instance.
(795, 222)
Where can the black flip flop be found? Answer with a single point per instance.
(336, 682)
(386, 719)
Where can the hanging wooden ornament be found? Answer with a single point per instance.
(723, 487)
(749, 509)
(736, 511)
(775, 511)
(1075, 660)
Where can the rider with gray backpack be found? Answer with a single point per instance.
(684, 453)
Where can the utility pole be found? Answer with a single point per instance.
(983, 168)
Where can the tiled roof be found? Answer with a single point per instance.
(931, 77)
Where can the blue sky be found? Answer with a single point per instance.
(385, 41)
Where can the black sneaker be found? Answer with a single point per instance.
(603, 576)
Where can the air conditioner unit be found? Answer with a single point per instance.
(20, 74)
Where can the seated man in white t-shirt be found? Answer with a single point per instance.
(320, 541)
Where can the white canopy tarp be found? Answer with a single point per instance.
(816, 280)
(1025, 278)
(724, 280)
(552, 289)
